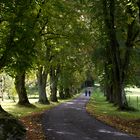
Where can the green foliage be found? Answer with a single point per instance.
(133, 97)
(70, 34)
(18, 44)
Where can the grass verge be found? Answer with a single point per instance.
(20, 111)
(126, 121)
(31, 117)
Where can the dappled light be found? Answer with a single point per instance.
(65, 133)
(114, 133)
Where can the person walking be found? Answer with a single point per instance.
(85, 92)
(89, 93)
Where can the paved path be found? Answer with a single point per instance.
(70, 121)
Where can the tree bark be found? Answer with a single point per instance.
(108, 84)
(1, 109)
(42, 80)
(117, 67)
(117, 81)
(20, 88)
(53, 80)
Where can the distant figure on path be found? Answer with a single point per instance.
(89, 92)
(85, 92)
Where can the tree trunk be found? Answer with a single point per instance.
(53, 86)
(20, 88)
(42, 80)
(109, 15)
(2, 110)
(108, 77)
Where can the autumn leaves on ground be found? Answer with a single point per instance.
(33, 126)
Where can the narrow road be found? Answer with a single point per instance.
(70, 121)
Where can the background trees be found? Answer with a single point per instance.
(118, 28)
(58, 39)
(41, 44)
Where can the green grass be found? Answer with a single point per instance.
(19, 111)
(134, 101)
(100, 106)
(133, 97)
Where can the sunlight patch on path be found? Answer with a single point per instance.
(111, 132)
